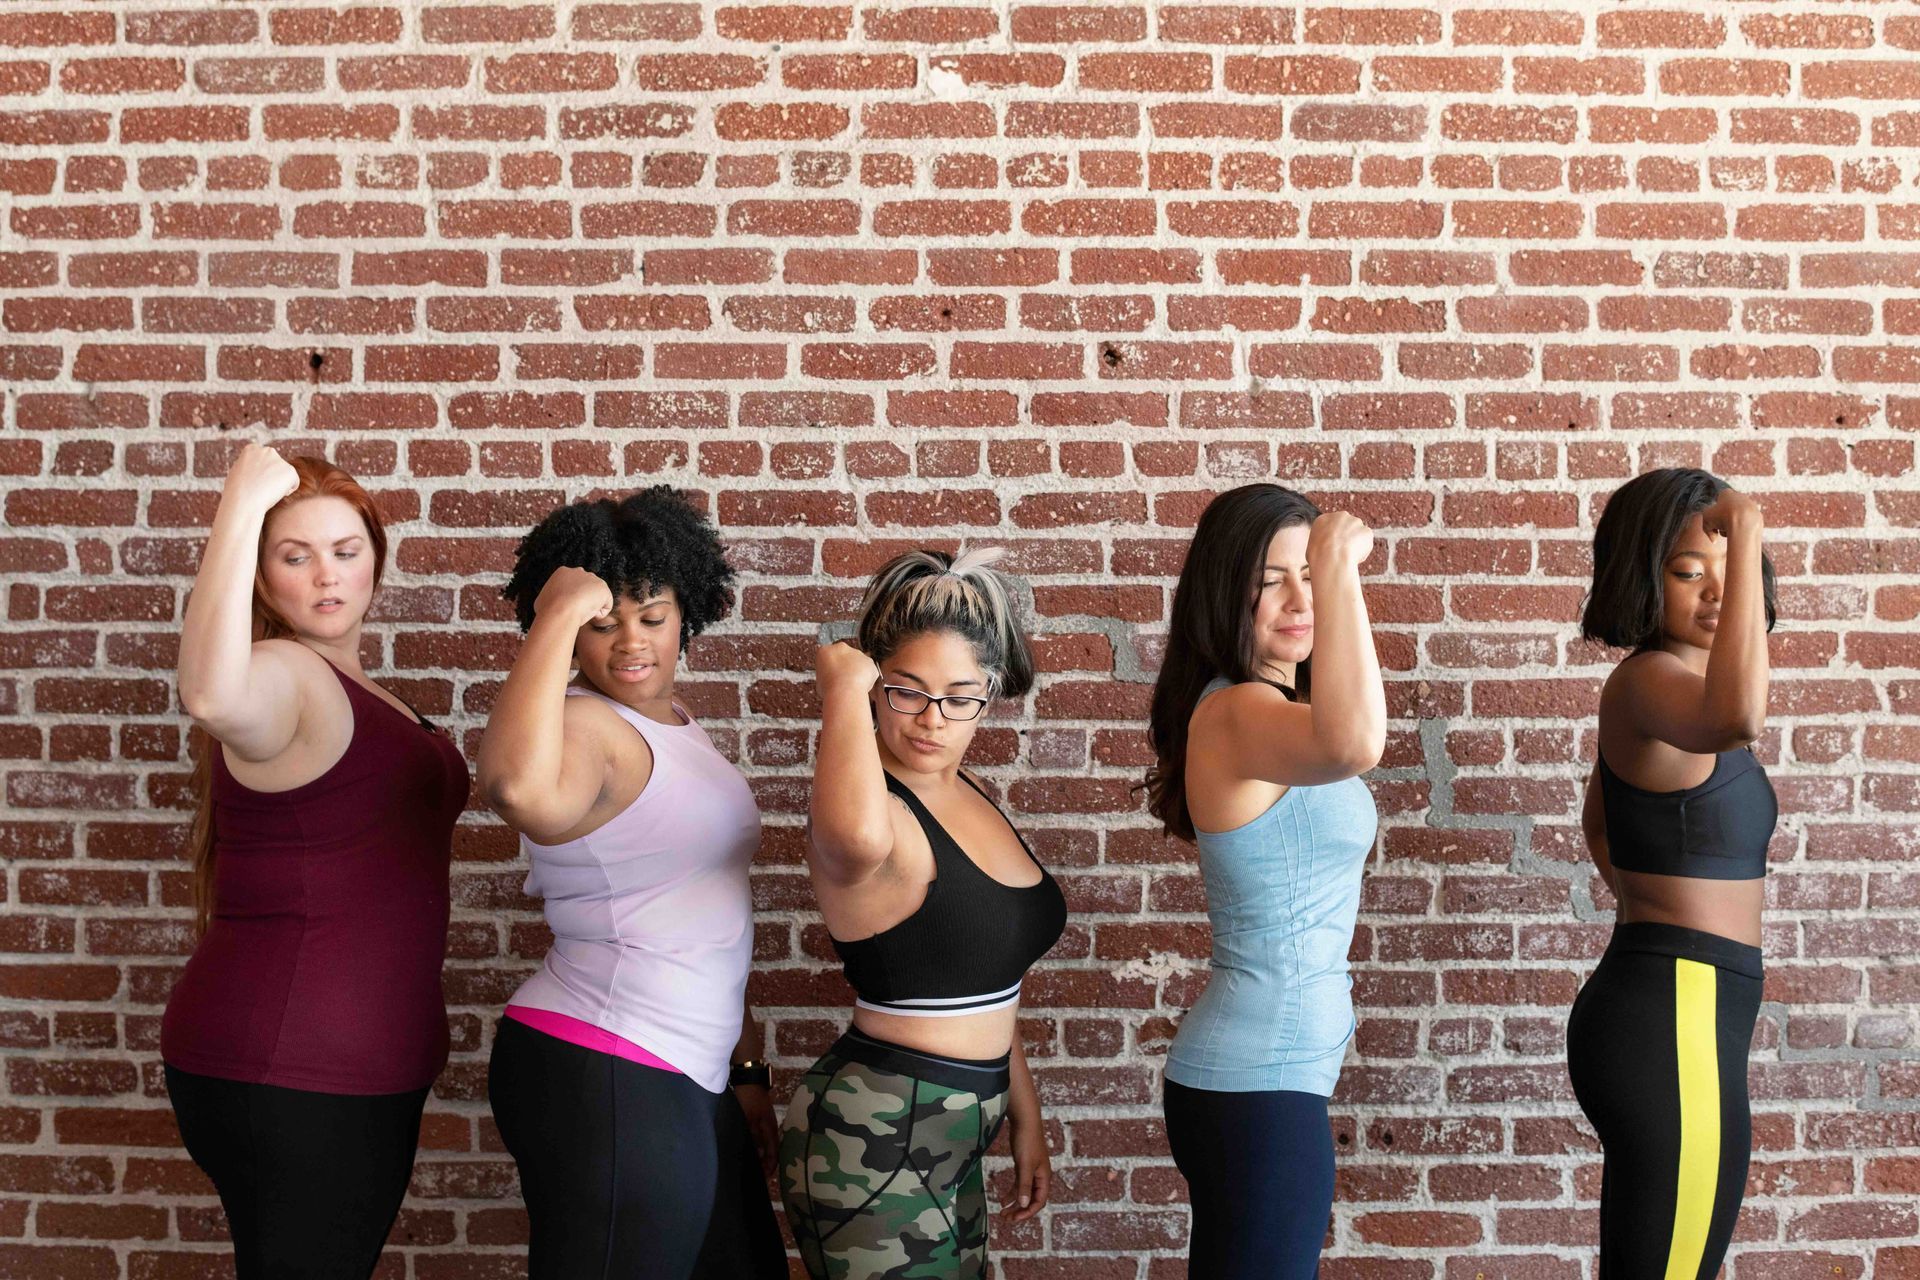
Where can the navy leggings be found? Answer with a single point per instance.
(1259, 1170)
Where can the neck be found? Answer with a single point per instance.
(1280, 672)
(656, 706)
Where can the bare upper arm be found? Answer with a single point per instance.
(1257, 733)
(1657, 696)
(591, 754)
(284, 681)
(846, 863)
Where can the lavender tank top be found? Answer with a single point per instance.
(651, 915)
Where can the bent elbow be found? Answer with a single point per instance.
(1740, 730)
(502, 795)
(1355, 753)
(850, 859)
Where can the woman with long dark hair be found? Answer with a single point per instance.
(1268, 708)
(937, 909)
(611, 1068)
(1678, 816)
(309, 1024)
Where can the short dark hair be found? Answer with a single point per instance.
(644, 543)
(1631, 542)
(1210, 629)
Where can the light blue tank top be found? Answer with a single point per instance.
(1283, 892)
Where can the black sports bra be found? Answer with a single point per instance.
(967, 947)
(1716, 831)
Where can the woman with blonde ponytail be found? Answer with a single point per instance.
(302, 1038)
(937, 909)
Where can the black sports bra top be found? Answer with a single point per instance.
(967, 946)
(1716, 831)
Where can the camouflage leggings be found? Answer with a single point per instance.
(880, 1163)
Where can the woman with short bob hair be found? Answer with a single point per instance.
(610, 1069)
(1267, 710)
(1678, 816)
(937, 909)
(301, 1040)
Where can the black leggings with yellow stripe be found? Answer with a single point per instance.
(1657, 1047)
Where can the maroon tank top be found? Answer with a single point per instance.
(320, 968)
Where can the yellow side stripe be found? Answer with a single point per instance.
(1694, 1028)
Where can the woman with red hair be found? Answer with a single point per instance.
(307, 1028)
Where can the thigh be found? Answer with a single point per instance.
(665, 1168)
(1259, 1168)
(872, 1165)
(553, 1102)
(331, 1171)
(743, 1240)
(616, 1160)
(213, 1116)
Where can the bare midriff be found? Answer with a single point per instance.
(1727, 908)
(973, 1035)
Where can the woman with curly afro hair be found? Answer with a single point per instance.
(610, 1071)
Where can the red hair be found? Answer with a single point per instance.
(318, 479)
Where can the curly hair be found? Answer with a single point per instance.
(639, 545)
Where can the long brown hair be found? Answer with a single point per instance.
(318, 479)
(1210, 630)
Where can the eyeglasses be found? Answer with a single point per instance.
(911, 702)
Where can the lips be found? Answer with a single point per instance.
(632, 671)
(921, 744)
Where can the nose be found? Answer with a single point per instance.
(930, 716)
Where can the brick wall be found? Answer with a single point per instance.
(1037, 274)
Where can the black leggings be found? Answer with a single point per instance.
(1259, 1171)
(619, 1165)
(311, 1182)
(1657, 1048)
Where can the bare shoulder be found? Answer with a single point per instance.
(1239, 705)
(1638, 674)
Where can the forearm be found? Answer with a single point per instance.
(752, 1045)
(1349, 703)
(521, 751)
(849, 803)
(1737, 669)
(1023, 1096)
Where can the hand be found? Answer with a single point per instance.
(259, 477)
(1730, 511)
(1339, 534)
(761, 1123)
(575, 596)
(1032, 1168)
(843, 665)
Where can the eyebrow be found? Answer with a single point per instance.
(951, 684)
(298, 542)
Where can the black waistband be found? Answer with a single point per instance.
(983, 1076)
(1652, 938)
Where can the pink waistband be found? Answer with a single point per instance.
(587, 1036)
